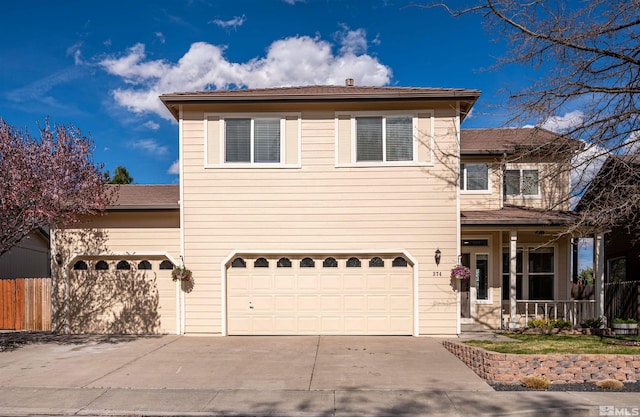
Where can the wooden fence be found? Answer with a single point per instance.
(622, 300)
(25, 304)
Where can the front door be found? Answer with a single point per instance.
(465, 293)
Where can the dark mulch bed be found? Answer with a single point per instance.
(589, 386)
(15, 340)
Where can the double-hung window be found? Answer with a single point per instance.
(252, 140)
(521, 182)
(474, 177)
(384, 139)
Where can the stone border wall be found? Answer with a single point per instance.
(505, 368)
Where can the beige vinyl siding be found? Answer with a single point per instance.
(319, 207)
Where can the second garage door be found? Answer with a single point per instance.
(298, 295)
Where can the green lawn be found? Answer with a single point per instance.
(542, 343)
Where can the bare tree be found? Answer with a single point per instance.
(45, 181)
(587, 55)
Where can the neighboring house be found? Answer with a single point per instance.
(335, 210)
(618, 177)
(29, 258)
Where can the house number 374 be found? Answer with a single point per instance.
(437, 273)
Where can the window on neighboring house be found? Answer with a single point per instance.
(252, 140)
(617, 269)
(474, 177)
(384, 139)
(523, 182)
(541, 273)
(506, 263)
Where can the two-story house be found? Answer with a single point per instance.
(325, 210)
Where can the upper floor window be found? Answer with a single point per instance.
(524, 182)
(474, 177)
(252, 140)
(384, 139)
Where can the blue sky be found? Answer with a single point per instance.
(100, 65)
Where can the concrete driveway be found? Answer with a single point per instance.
(242, 363)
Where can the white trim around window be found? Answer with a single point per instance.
(521, 168)
(253, 117)
(416, 134)
(464, 182)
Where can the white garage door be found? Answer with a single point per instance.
(286, 295)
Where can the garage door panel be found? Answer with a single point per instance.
(377, 303)
(285, 303)
(320, 300)
(354, 303)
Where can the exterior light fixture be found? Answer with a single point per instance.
(58, 259)
(438, 256)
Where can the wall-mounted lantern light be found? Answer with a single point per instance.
(438, 256)
(58, 259)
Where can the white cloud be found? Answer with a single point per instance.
(353, 41)
(586, 166)
(174, 168)
(563, 124)
(292, 2)
(160, 37)
(234, 23)
(151, 125)
(151, 147)
(298, 60)
(632, 144)
(74, 50)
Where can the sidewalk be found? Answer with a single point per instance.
(268, 376)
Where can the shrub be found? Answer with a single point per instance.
(535, 382)
(610, 384)
(624, 321)
(594, 323)
(549, 324)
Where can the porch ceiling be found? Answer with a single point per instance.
(515, 216)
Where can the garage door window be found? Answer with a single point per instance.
(330, 263)
(144, 265)
(284, 263)
(399, 262)
(307, 263)
(102, 266)
(376, 262)
(238, 263)
(261, 263)
(166, 264)
(353, 262)
(123, 265)
(80, 266)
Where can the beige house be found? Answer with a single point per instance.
(326, 210)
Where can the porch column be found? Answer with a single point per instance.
(513, 265)
(598, 272)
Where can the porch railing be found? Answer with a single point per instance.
(575, 311)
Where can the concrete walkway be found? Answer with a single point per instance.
(267, 376)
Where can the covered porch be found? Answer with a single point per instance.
(521, 267)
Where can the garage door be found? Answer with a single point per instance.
(286, 295)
